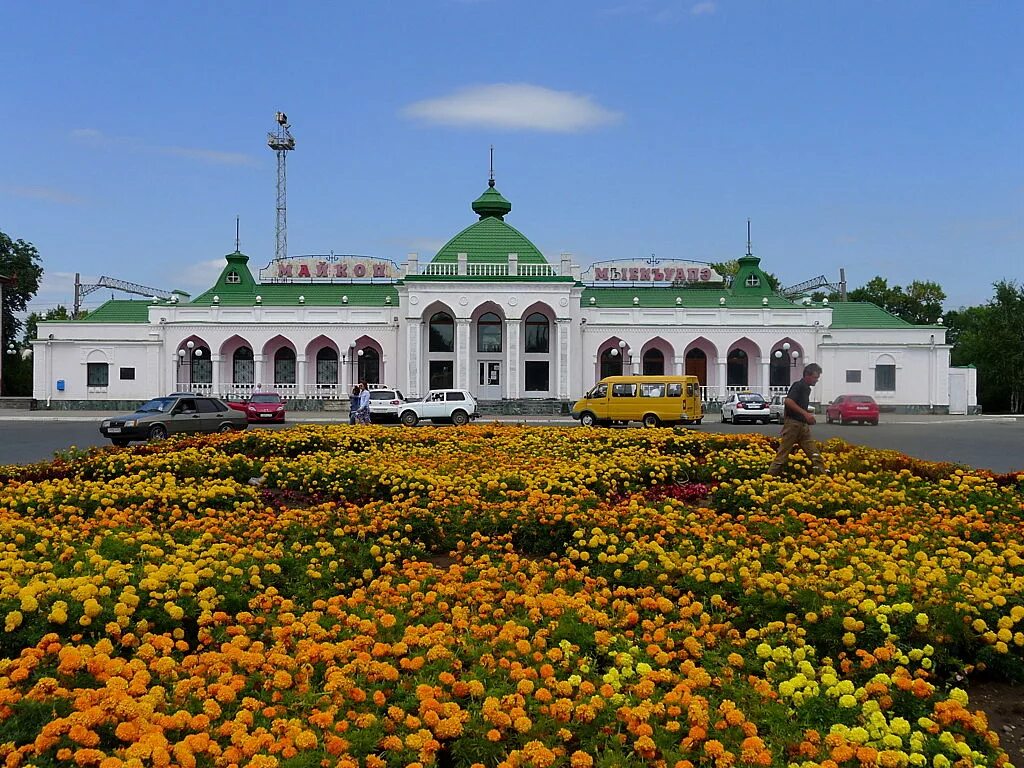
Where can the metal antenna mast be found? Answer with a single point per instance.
(281, 141)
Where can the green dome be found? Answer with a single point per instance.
(490, 239)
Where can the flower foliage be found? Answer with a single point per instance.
(502, 596)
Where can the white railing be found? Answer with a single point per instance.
(488, 269)
(537, 270)
(285, 390)
(235, 391)
(196, 388)
(327, 391)
(440, 269)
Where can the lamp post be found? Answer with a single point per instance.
(186, 359)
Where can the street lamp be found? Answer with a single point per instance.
(192, 354)
(791, 354)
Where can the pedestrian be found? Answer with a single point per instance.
(363, 415)
(353, 404)
(796, 426)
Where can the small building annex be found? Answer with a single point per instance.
(489, 313)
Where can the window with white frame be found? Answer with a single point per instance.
(97, 374)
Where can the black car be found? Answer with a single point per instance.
(174, 414)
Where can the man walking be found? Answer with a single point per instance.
(796, 428)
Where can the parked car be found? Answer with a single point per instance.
(457, 406)
(385, 403)
(261, 407)
(746, 406)
(777, 406)
(847, 408)
(170, 415)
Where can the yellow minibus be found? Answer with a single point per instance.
(653, 400)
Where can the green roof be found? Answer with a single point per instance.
(705, 298)
(314, 294)
(490, 239)
(236, 288)
(863, 314)
(119, 311)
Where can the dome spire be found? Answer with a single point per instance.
(491, 204)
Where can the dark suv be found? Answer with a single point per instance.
(174, 414)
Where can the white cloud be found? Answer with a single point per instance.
(48, 194)
(94, 138)
(662, 11)
(515, 106)
(196, 277)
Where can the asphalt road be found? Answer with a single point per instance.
(988, 442)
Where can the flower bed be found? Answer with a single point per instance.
(502, 596)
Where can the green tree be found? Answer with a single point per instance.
(991, 338)
(19, 261)
(919, 303)
(60, 312)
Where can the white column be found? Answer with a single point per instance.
(766, 376)
(173, 385)
(215, 361)
(300, 375)
(563, 325)
(462, 352)
(679, 364)
(414, 329)
(512, 356)
(258, 372)
(722, 378)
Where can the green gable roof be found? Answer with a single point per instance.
(863, 314)
(314, 295)
(705, 298)
(243, 290)
(119, 311)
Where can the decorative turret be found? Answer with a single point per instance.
(491, 204)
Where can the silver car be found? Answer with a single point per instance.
(745, 406)
(174, 414)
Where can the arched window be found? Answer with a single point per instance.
(232, 278)
(202, 366)
(327, 366)
(284, 366)
(654, 363)
(369, 365)
(736, 370)
(488, 333)
(611, 362)
(536, 334)
(242, 367)
(441, 333)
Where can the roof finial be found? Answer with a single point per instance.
(748, 239)
(238, 241)
(490, 181)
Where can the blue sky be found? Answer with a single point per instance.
(882, 137)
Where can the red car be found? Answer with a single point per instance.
(262, 407)
(847, 408)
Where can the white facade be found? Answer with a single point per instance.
(151, 358)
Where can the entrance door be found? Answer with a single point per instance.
(489, 380)
(697, 365)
